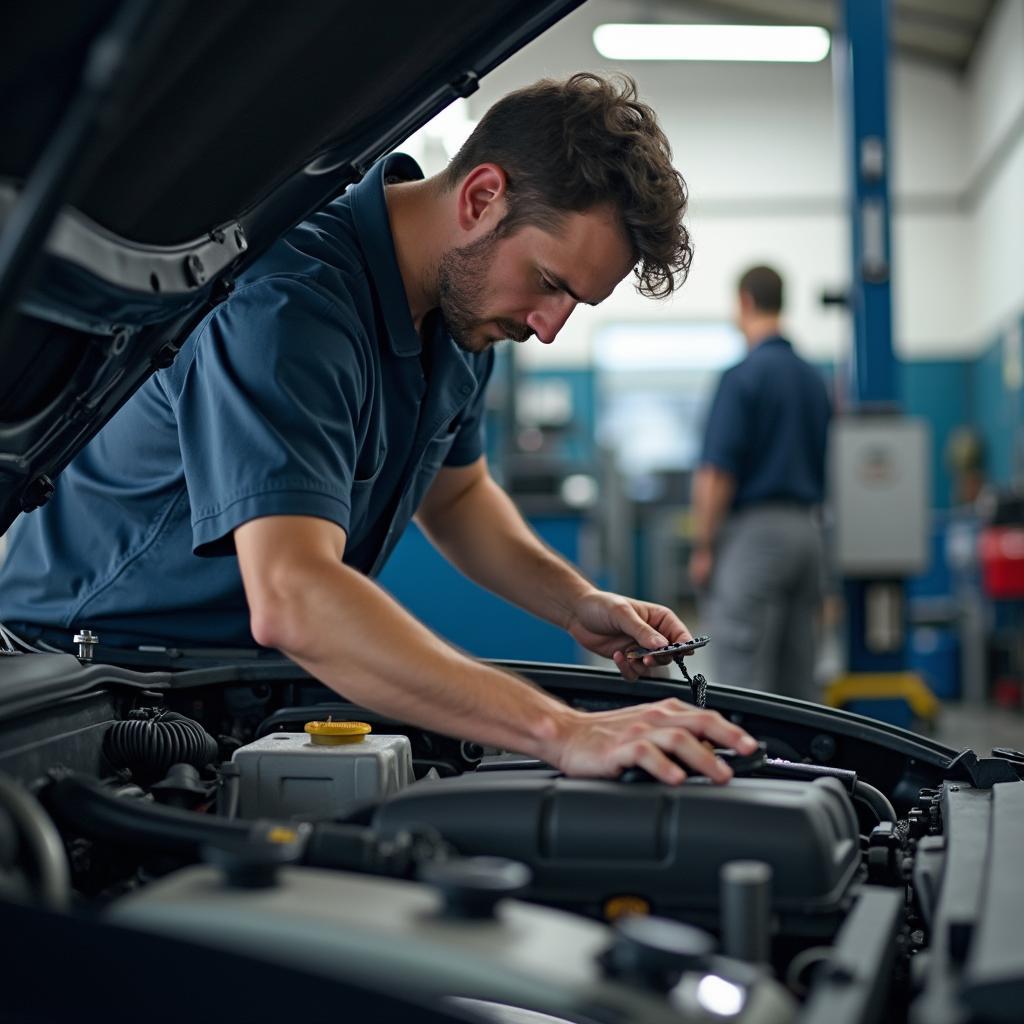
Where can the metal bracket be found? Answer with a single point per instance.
(37, 493)
(153, 269)
(466, 84)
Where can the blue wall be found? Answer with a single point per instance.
(470, 617)
(938, 392)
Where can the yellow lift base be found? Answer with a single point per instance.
(907, 686)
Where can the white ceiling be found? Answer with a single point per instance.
(938, 31)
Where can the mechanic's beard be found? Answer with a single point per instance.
(462, 287)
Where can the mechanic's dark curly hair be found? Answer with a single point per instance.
(569, 146)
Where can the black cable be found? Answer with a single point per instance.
(7, 647)
(780, 768)
(698, 684)
(40, 647)
(14, 643)
(229, 791)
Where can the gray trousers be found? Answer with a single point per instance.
(765, 600)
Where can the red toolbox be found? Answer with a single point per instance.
(1002, 561)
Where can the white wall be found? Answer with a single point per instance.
(995, 193)
(995, 80)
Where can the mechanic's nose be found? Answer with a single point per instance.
(547, 322)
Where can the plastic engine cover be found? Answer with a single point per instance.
(588, 841)
(394, 933)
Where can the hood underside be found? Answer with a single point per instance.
(153, 149)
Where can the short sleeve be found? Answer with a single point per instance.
(725, 436)
(470, 441)
(268, 411)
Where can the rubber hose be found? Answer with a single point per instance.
(876, 800)
(154, 739)
(43, 839)
(84, 806)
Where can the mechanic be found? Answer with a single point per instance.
(756, 498)
(337, 392)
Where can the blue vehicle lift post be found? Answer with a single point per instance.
(861, 65)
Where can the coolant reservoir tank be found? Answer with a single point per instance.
(320, 770)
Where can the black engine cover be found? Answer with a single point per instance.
(589, 841)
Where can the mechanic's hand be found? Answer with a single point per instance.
(702, 562)
(610, 625)
(604, 743)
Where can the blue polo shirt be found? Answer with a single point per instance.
(768, 427)
(308, 392)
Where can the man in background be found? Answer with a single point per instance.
(756, 495)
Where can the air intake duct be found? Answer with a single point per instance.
(153, 739)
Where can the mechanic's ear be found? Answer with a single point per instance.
(481, 202)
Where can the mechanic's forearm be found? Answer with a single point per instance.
(343, 629)
(484, 535)
(712, 494)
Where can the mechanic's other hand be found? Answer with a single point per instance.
(609, 625)
(650, 736)
(701, 565)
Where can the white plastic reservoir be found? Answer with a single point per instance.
(321, 770)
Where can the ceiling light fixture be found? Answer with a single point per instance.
(799, 43)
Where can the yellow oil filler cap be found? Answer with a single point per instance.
(334, 734)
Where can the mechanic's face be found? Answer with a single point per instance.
(530, 282)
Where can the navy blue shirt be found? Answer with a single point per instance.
(308, 392)
(768, 427)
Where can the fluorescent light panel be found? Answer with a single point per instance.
(797, 43)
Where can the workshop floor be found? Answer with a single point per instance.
(980, 728)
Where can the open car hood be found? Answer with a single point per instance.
(152, 150)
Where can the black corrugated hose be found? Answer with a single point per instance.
(152, 739)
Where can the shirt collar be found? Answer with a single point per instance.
(370, 214)
(770, 340)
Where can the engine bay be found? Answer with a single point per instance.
(851, 872)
